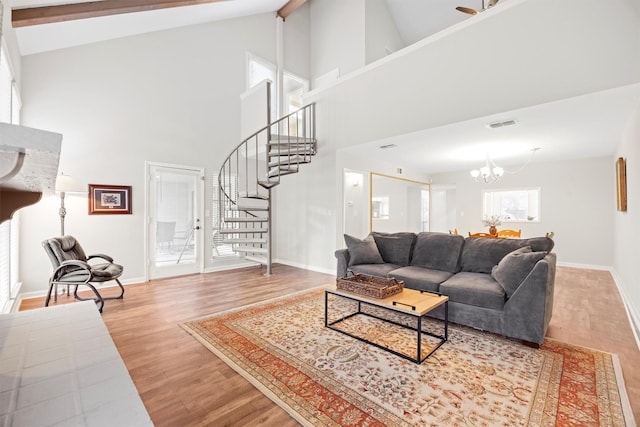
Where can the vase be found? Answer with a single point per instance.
(493, 230)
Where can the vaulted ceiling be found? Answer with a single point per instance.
(43, 25)
(588, 125)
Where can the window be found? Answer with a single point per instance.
(221, 249)
(380, 207)
(294, 86)
(8, 262)
(259, 70)
(9, 113)
(518, 205)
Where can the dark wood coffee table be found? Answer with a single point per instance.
(409, 301)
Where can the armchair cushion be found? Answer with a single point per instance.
(106, 271)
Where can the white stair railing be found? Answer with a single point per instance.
(250, 172)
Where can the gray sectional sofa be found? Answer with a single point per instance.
(500, 285)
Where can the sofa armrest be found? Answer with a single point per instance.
(342, 255)
(530, 307)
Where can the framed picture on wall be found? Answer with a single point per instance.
(109, 199)
(621, 184)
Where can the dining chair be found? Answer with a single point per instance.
(509, 233)
(487, 235)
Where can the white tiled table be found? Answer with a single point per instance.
(60, 367)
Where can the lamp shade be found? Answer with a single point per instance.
(67, 184)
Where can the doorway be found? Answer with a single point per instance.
(174, 225)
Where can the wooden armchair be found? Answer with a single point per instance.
(509, 233)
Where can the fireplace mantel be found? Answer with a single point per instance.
(28, 166)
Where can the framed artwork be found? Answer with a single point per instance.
(109, 199)
(621, 183)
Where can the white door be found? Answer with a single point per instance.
(174, 220)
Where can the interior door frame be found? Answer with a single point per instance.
(199, 209)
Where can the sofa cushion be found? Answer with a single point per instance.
(380, 270)
(420, 279)
(477, 289)
(438, 251)
(395, 248)
(480, 254)
(362, 251)
(515, 267)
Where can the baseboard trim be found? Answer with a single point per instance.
(306, 266)
(584, 266)
(230, 266)
(43, 293)
(632, 314)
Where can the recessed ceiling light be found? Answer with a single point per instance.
(388, 146)
(496, 125)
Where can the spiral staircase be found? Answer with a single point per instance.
(248, 176)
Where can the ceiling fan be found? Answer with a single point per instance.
(486, 4)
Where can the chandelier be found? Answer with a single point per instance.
(489, 173)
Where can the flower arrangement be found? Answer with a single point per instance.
(491, 221)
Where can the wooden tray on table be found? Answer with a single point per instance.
(371, 286)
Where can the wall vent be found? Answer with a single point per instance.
(496, 125)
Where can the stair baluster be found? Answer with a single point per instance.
(250, 172)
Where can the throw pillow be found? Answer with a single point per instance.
(395, 248)
(362, 251)
(515, 267)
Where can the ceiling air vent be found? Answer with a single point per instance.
(501, 124)
(384, 147)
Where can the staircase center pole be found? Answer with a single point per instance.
(269, 234)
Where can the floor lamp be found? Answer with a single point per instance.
(66, 184)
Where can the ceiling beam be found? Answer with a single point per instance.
(290, 7)
(68, 12)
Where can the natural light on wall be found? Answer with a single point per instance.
(9, 113)
(516, 205)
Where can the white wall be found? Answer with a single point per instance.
(577, 203)
(463, 73)
(9, 39)
(473, 70)
(356, 203)
(381, 33)
(626, 230)
(297, 42)
(171, 96)
(337, 36)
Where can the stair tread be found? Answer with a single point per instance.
(306, 151)
(246, 219)
(254, 249)
(282, 171)
(291, 146)
(243, 230)
(268, 184)
(248, 208)
(244, 240)
(254, 196)
(280, 138)
(289, 161)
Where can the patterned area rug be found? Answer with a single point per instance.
(323, 377)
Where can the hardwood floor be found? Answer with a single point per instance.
(183, 384)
